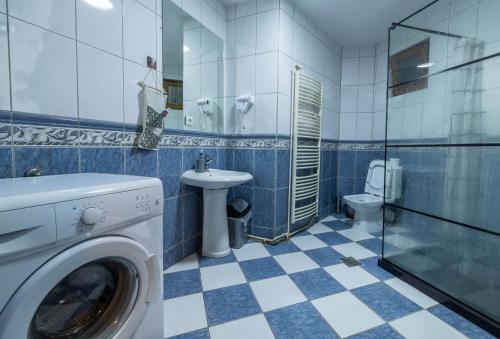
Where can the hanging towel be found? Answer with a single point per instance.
(153, 111)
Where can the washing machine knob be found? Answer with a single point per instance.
(91, 216)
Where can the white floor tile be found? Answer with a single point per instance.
(355, 235)
(329, 218)
(276, 292)
(221, 276)
(295, 262)
(424, 325)
(319, 228)
(351, 277)
(247, 328)
(251, 251)
(189, 263)
(347, 314)
(411, 293)
(184, 314)
(353, 249)
(307, 242)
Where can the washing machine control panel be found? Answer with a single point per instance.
(100, 213)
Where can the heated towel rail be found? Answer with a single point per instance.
(306, 147)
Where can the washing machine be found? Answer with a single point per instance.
(81, 257)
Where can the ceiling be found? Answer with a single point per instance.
(358, 22)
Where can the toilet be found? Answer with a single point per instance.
(368, 206)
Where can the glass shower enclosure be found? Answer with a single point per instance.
(443, 123)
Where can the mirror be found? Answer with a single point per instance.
(193, 72)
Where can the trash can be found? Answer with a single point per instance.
(239, 213)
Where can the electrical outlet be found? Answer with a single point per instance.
(188, 120)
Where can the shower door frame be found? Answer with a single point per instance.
(432, 291)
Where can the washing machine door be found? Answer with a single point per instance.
(97, 289)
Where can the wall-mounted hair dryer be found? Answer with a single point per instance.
(244, 103)
(204, 106)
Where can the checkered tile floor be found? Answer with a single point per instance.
(300, 289)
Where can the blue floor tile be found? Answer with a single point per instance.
(283, 247)
(377, 234)
(259, 269)
(325, 256)
(337, 225)
(463, 325)
(316, 283)
(385, 301)
(199, 334)
(207, 261)
(230, 303)
(299, 321)
(373, 244)
(181, 283)
(333, 238)
(371, 266)
(384, 331)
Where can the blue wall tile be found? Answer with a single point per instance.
(345, 186)
(230, 159)
(245, 193)
(172, 222)
(363, 159)
(51, 160)
(192, 206)
(282, 168)
(101, 160)
(140, 162)
(5, 162)
(347, 164)
(189, 156)
(326, 164)
(172, 256)
(282, 207)
(170, 170)
(243, 161)
(334, 164)
(192, 245)
(265, 168)
(263, 213)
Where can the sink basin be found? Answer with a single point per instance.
(215, 184)
(215, 178)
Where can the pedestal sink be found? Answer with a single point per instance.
(215, 184)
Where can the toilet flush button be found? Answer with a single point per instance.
(91, 216)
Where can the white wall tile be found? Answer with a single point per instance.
(336, 97)
(350, 71)
(132, 73)
(378, 125)
(139, 32)
(367, 51)
(265, 113)
(286, 34)
(43, 70)
(209, 80)
(349, 99)
(159, 44)
(192, 39)
(210, 50)
(246, 8)
(221, 27)
(267, 31)
(327, 124)
(265, 5)
(433, 120)
(246, 35)
(299, 17)
(364, 126)
(285, 74)
(284, 114)
(209, 17)
(229, 116)
(347, 126)
(151, 4)
(4, 66)
(299, 42)
(193, 8)
(159, 7)
(287, 6)
(3, 6)
(192, 86)
(230, 77)
(381, 47)
(365, 98)
(366, 70)
(231, 39)
(381, 67)
(350, 52)
(245, 75)
(412, 121)
(100, 85)
(55, 15)
(266, 72)
(230, 12)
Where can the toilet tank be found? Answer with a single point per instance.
(395, 183)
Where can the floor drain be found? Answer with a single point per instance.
(350, 261)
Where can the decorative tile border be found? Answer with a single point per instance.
(361, 146)
(5, 134)
(27, 135)
(260, 143)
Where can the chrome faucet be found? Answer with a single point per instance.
(202, 163)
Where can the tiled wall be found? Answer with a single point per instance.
(265, 40)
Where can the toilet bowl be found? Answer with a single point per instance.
(368, 206)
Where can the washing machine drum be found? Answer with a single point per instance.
(103, 297)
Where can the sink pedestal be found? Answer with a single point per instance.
(215, 229)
